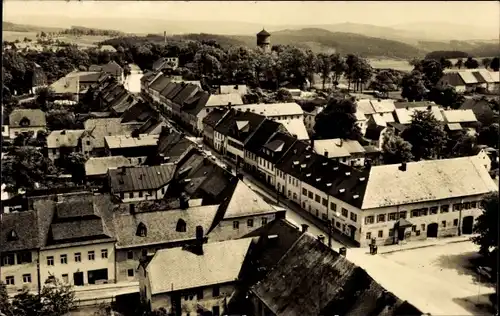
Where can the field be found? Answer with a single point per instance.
(78, 40)
(396, 64)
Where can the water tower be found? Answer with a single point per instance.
(264, 40)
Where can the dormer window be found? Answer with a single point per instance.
(328, 184)
(308, 156)
(355, 196)
(341, 190)
(142, 231)
(335, 168)
(24, 122)
(308, 175)
(303, 165)
(348, 173)
(362, 179)
(12, 236)
(296, 162)
(181, 226)
(318, 179)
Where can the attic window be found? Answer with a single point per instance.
(325, 163)
(181, 226)
(24, 122)
(296, 162)
(308, 175)
(308, 156)
(347, 173)
(362, 179)
(12, 236)
(341, 190)
(328, 184)
(355, 196)
(142, 231)
(318, 179)
(335, 168)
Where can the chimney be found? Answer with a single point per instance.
(220, 89)
(312, 143)
(184, 201)
(326, 154)
(403, 166)
(304, 227)
(321, 239)
(199, 240)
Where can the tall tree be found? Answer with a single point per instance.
(487, 228)
(384, 82)
(339, 67)
(486, 62)
(459, 64)
(446, 96)
(426, 135)
(471, 63)
(495, 64)
(461, 145)
(445, 63)
(432, 71)
(324, 67)
(338, 120)
(395, 149)
(413, 86)
(489, 135)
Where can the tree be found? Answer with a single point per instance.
(384, 82)
(487, 228)
(339, 67)
(495, 64)
(338, 120)
(25, 168)
(358, 71)
(432, 71)
(413, 86)
(471, 63)
(324, 66)
(446, 96)
(488, 135)
(283, 95)
(395, 149)
(486, 62)
(459, 63)
(62, 119)
(5, 306)
(75, 164)
(426, 135)
(462, 145)
(445, 63)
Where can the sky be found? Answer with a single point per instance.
(474, 13)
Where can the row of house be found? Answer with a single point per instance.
(469, 80)
(388, 203)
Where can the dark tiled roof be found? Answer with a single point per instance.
(140, 111)
(151, 125)
(278, 145)
(124, 102)
(168, 88)
(399, 127)
(214, 117)
(140, 178)
(75, 209)
(173, 91)
(196, 103)
(25, 228)
(228, 125)
(160, 83)
(261, 135)
(453, 79)
(91, 77)
(416, 104)
(263, 33)
(77, 230)
(373, 132)
(312, 279)
(148, 76)
(35, 117)
(336, 179)
(173, 145)
(478, 76)
(188, 90)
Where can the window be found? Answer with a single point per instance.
(417, 233)
(317, 198)
(310, 194)
(142, 231)
(130, 272)
(422, 227)
(250, 222)
(264, 221)
(216, 291)
(337, 224)
(140, 193)
(333, 206)
(423, 212)
(443, 223)
(467, 205)
(368, 235)
(236, 225)
(50, 261)
(130, 255)
(24, 257)
(473, 204)
(380, 218)
(402, 214)
(64, 259)
(433, 210)
(415, 213)
(65, 278)
(27, 278)
(88, 143)
(391, 232)
(325, 202)
(104, 253)
(414, 228)
(445, 208)
(122, 195)
(456, 207)
(392, 216)
(455, 222)
(304, 192)
(91, 255)
(131, 195)
(369, 220)
(200, 294)
(9, 280)
(345, 212)
(78, 257)
(380, 233)
(181, 226)
(144, 252)
(8, 259)
(354, 217)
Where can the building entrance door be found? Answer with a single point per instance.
(467, 225)
(78, 278)
(432, 230)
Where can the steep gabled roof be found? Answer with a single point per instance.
(35, 117)
(143, 178)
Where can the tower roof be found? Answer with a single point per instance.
(263, 33)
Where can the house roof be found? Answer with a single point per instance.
(196, 104)
(66, 85)
(261, 135)
(213, 117)
(264, 33)
(224, 99)
(404, 116)
(365, 106)
(95, 166)
(148, 76)
(383, 106)
(467, 77)
(159, 84)
(36, 117)
(297, 128)
(459, 116)
(335, 147)
(138, 111)
(23, 226)
(232, 124)
(173, 145)
(240, 89)
(124, 103)
(360, 116)
(161, 225)
(429, 180)
(453, 79)
(221, 262)
(141, 178)
(272, 110)
(245, 202)
(312, 279)
(153, 126)
(413, 104)
(126, 141)
(99, 128)
(454, 126)
(64, 138)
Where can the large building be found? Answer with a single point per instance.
(264, 40)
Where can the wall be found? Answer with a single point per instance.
(14, 131)
(268, 169)
(233, 150)
(55, 153)
(18, 270)
(84, 266)
(5, 131)
(225, 229)
(219, 142)
(450, 230)
(189, 302)
(156, 195)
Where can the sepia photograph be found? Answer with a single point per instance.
(250, 158)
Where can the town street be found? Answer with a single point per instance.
(133, 81)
